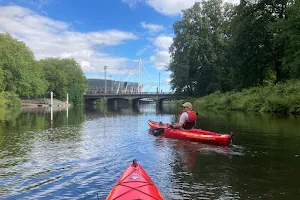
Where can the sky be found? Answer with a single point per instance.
(130, 37)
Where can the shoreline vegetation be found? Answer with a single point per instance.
(43, 102)
(242, 57)
(27, 81)
(12, 100)
(282, 98)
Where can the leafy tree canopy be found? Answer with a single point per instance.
(19, 71)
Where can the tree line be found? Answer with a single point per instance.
(22, 74)
(220, 47)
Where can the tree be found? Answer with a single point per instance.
(199, 48)
(277, 12)
(250, 47)
(289, 33)
(19, 71)
(258, 42)
(65, 76)
(1, 79)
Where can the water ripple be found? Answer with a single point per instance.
(83, 156)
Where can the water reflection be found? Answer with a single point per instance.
(84, 151)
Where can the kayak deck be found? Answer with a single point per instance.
(134, 184)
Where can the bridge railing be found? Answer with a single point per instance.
(102, 92)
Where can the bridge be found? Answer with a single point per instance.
(92, 96)
(116, 91)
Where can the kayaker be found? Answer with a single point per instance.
(187, 118)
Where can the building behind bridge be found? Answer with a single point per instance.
(97, 86)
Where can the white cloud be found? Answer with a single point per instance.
(174, 7)
(131, 3)
(163, 42)
(152, 27)
(161, 59)
(167, 81)
(170, 7)
(168, 73)
(38, 3)
(50, 38)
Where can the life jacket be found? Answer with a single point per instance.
(191, 121)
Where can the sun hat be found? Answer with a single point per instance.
(188, 105)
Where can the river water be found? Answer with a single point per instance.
(82, 152)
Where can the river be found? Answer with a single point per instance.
(82, 152)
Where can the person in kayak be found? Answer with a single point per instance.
(187, 118)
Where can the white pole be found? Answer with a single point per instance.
(67, 105)
(51, 102)
(51, 110)
(159, 83)
(67, 99)
(140, 77)
(105, 67)
(112, 85)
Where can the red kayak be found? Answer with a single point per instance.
(193, 134)
(134, 184)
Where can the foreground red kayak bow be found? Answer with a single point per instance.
(134, 184)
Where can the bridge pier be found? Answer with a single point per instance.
(134, 103)
(105, 101)
(115, 104)
(159, 104)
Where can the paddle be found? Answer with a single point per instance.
(160, 131)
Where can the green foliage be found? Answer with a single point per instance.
(250, 45)
(19, 71)
(220, 47)
(9, 99)
(199, 49)
(64, 76)
(8, 114)
(283, 98)
(1, 79)
(290, 35)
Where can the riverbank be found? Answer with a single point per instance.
(43, 102)
(281, 98)
(11, 100)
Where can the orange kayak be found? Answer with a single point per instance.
(134, 184)
(197, 135)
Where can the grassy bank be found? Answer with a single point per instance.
(9, 100)
(281, 98)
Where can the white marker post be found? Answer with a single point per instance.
(51, 102)
(67, 105)
(51, 109)
(67, 99)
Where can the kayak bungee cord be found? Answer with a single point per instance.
(135, 188)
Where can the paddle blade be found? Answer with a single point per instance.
(158, 131)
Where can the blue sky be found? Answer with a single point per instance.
(115, 33)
